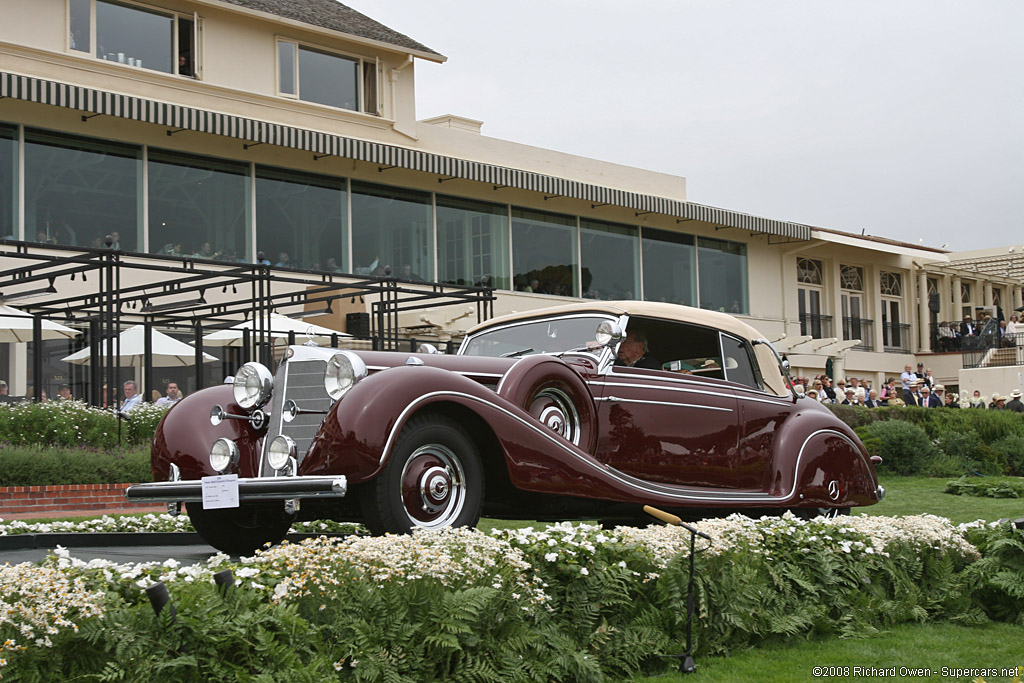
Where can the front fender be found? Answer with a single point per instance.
(185, 434)
(358, 433)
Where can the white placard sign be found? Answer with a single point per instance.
(220, 491)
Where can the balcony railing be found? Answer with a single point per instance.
(991, 349)
(860, 328)
(896, 337)
(818, 326)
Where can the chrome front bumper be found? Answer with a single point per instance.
(257, 488)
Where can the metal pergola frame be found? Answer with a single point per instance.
(180, 294)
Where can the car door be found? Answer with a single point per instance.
(677, 426)
(761, 413)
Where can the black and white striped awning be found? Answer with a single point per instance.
(250, 130)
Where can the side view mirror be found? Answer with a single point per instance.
(608, 333)
(427, 348)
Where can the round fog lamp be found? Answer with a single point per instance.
(281, 450)
(344, 369)
(223, 454)
(252, 386)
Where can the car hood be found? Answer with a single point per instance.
(482, 368)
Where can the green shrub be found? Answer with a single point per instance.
(985, 489)
(1011, 450)
(904, 447)
(42, 466)
(962, 453)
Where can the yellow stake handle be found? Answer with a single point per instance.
(666, 517)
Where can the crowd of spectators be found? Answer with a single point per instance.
(912, 388)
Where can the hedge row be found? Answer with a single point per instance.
(42, 466)
(940, 442)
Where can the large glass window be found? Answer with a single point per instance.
(392, 227)
(135, 36)
(326, 78)
(610, 256)
(300, 220)
(472, 243)
(670, 267)
(198, 207)
(544, 252)
(8, 182)
(723, 275)
(78, 191)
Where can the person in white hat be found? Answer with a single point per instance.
(1015, 403)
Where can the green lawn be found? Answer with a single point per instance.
(914, 646)
(917, 495)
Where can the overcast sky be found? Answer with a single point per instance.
(904, 118)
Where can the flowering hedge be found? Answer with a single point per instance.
(567, 602)
(75, 424)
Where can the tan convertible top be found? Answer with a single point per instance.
(647, 309)
(650, 309)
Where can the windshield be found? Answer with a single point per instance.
(553, 335)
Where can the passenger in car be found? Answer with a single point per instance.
(633, 352)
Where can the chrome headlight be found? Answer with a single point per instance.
(281, 450)
(253, 386)
(223, 454)
(344, 369)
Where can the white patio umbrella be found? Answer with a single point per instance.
(16, 327)
(167, 351)
(280, 326)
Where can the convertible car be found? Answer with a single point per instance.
(537, 417)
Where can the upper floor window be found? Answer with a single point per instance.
(808, 271)
(315, 75)
(135, 35)
(852, 278)
(891, 284)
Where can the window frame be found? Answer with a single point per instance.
(176, 42)
(361, 80)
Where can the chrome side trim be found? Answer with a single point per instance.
(616, 399)
(776, 402)
(632, 482)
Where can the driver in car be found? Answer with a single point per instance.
(633, 352)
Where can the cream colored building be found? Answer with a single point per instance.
(225, 128)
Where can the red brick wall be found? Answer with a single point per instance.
(69, 497)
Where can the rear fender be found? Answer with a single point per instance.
(819, 462)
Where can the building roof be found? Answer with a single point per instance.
(881, 240)
(1008, 265)
(335, 16)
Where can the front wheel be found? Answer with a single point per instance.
(433, 480)
(241, 530)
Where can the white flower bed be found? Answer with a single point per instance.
(38, 600)
(149, 523)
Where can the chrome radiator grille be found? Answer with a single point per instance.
(301, 381)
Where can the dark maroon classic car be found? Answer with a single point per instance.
(535, 418)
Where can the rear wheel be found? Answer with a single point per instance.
(241, 530)
(433, 480)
